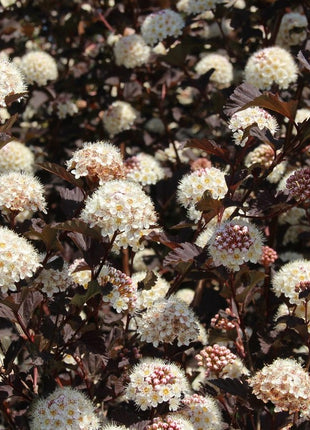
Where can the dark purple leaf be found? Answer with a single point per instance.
(61, 172)
(94, 341)
(232, 386)
(79, 226)
(242, 95)
(304, 58)
(209, 146)
(148, 282)
(12, 352)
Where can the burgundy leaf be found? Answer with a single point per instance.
(61, 172)
(242, 95)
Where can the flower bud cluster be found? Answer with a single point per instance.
(214, 358)
(159, 25)
(269, 256)
(168, 320)
(153, 381)
(170, 422)
(227, 322)
(298, 184)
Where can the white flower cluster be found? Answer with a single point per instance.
(234, 243)
(264, 155)
(168, 320)
(146, 298)
(222, 76)
(123, 207)
(131, 51)
(169, 153)
(120, 116)
(192, 186)
(38, 67)
(11, 80)
(18, 259)
(285, 383)
(65, 408)
(193, 7)
(21, 192)
(203, 412)
(52, 281)
(271, 65)
(123, 293)
(289, 277)
(144, 168)
(15, 156)
(292, 30)
(98, 161)
(63, 108)
(302, 114)
(252, 116)
(159, 25)
(81, 277)
(153, 381)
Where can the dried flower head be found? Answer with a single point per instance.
(192, 186)
(214, 358)
(144, 168)
(271, 65)
(285, 383)
(120, 206)
(290, 275)
(292, 30)
(131, 51)
(193, 7)
(52, 281)
(120, 116)
(222, 76)
(234, 243)
(98, 161)
(38, 67)
(15, 156)
(297, 184)
(11, 81)
(159, 25)
(146, 298)
(167, 321)
(153, 381)
(252, 116)
(64, 409)
(20, 192)
(123, 294)
(264, 155)
(269, 256)
(203, 412)
(18, 259)
(170, 422)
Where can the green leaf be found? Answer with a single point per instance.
(93, 290)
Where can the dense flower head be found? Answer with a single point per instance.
(120, 206)
(131, 51)
(64, 409)
(192, 186)
(298, 184)
(285, 383)
(167, 321)
(264, 156)
(98, 161)
(20, 192)
(146, 298)
(123, 291)
(214, 358)
(118, 117)
(11, 81)
(203, 412)
(144, 168)
(227, 321)
(269, 256)
(18, 259)
(253, 116)
(271, 65)
(288, 277)
(159, 25)
(193, 7)
(15, 156)
(292, 30)
(153, 381)
(170, 422)
(223, 74)
(38, 67)
(52, 281)
(234, 243)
